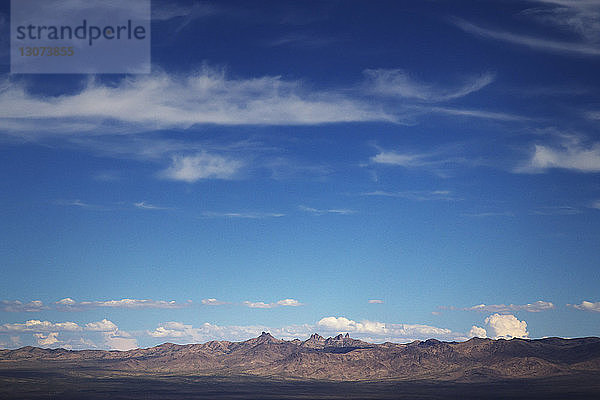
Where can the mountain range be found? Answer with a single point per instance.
(339, 358)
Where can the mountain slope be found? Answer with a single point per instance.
(340, 358)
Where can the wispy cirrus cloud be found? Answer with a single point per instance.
(302, 39)
(434, 161)
(123, 119)
(489, 214)
(473, 113)
(209, 96)
(185, 12)
(593, 115)
(192, 168)
(537, 306)
(580, 17)
(442, 162)
(415, 195)
(557, 210)
(537, 43)
(142, 205)
(401, 159)
(316, 211)
(571, 157)
(398, 83)
(242, 215)
(569, 151)
(168, 101)
(81, 204)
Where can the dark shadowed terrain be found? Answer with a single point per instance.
(318, 368)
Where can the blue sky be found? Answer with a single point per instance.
(395, 170)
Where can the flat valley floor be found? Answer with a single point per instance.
(94, 384)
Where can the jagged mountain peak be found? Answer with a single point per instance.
(265, 337)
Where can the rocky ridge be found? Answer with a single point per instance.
(339, 358)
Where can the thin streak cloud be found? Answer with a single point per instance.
(68, 304)
(554, 46)
(167, 101)
(242, 215)
(534, 307)
(398, 83)
(316, 211)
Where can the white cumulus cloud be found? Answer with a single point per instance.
(72, 335)
(587, 306)
(329, 326)
(289, 303)
(119, 340)
(68, 304)
(506, 326)
(34, 325)
(213, 302)
(343, 324)
(258, 304)
(47, 340)
(477, 331)
(18, 306)
(381, 331)
(184, 333)
(101, 326)
(280, 303)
